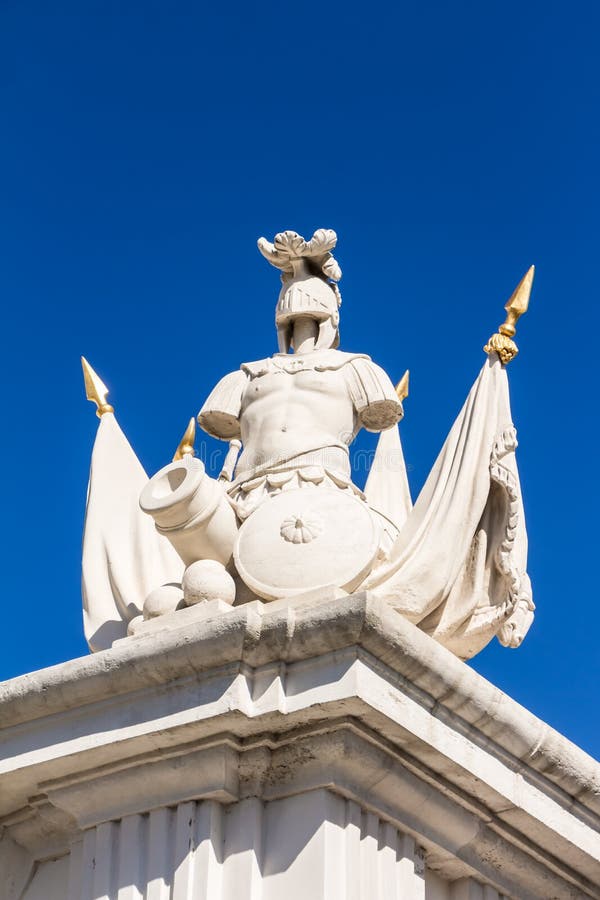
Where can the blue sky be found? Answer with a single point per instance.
(145, 148)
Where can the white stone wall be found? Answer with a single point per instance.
(315, 846)
(49, 881)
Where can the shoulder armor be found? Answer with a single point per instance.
(220, 414)
(373, 395)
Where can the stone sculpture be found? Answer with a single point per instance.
(284, 517)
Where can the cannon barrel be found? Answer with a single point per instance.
(192, 510)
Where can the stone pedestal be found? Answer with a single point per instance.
(315, 749)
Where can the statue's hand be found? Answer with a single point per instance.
(504, 346)
(516, 627)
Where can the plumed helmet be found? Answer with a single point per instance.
(309, 276)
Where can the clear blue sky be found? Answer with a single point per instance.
(147, 145)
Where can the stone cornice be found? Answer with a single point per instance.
(258, 634)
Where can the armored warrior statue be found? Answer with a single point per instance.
(296, 414)
(285, 517)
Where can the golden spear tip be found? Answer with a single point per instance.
(502, 342)
(186, 445)
(518, 301)
(402, 387)
(95, 389)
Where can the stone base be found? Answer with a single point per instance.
(321, 748)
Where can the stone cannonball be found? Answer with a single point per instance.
(207, 580)
(161, 600)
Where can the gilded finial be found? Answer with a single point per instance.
(186, 445)
(95, 389)
(502, 342)
(402, 387)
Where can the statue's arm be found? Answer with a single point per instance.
(373, 395)
(220, 415)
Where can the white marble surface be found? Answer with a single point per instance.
(311, 733)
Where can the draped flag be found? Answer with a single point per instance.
(387, 488)
(124, 557)
(458, 567)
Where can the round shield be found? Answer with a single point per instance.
(304, 539)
